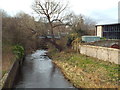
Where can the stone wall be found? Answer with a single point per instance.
(102, 53)
(104, 43)
(9, 78)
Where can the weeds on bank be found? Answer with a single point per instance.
(9, 54)
(7, 58)
(87, 72)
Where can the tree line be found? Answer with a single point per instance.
(53, 19)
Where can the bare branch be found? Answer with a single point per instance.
(56, 20)
(54, 8)
(53, 11)
(62, 24)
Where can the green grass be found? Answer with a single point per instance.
(106, 71)
(91, 65)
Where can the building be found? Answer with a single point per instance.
(90, 38)
(109, 31)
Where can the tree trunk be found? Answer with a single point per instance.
(53, 41)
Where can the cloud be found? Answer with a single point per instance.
(100, 10)
(106, 16)
(105, 11)
(14, 6)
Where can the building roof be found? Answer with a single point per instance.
(91, 36)
(108, 24)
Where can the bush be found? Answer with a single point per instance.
(70, 38)
(102, 38)
(18, 50)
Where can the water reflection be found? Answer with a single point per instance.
(39, 72)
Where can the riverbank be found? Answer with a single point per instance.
(86, 72)
(8, 58)
(12, 57)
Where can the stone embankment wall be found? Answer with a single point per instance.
(104, 43)
(103, 53)
(8, 79)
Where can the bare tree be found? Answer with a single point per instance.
(53, 11)
(82, 23)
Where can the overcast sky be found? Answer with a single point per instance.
(102, 11)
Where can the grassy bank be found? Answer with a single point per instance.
(7, 58)
(10, 53)
(86, 72)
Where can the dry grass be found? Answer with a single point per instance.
(87, 72)
(81, 79)
(7, 58)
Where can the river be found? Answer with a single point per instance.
(38, 71)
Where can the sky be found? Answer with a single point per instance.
(102, 11)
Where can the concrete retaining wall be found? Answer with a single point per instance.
(102, 53)
(104, 43)
(11, 75)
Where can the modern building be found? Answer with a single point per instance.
(109, 31)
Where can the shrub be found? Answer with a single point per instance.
(18, 50)
(102, 38)
(70, 38)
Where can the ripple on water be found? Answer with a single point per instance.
(39, 72)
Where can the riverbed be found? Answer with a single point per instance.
(38, 71)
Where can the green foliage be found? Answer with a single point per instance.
(77, 33)
(18, 50)
(80, 32)
(102, 38)
(70, 38)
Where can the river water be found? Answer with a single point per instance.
(38, 71)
